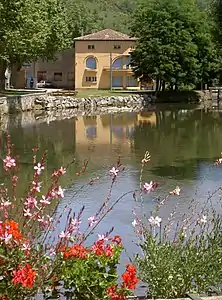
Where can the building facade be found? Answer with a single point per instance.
(59, 72)
(102, 61)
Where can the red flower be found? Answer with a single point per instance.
(11, 229)
(78, 251)
(100, 248)
(129, 277)
(25, 276)
(117, 240)
(113, 293)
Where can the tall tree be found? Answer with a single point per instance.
(174, 43)
(30, 29)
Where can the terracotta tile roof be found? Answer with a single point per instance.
(106, 35)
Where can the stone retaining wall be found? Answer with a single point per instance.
(32, 102)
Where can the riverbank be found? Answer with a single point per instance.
(46, 101)
(56, 101)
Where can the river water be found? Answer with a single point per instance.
(183, 143)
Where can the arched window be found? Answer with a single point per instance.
(91, 63)
(118, 63)
(128, 62)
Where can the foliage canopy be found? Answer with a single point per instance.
(174, 43)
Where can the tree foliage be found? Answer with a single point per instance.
(87, 15)
(31, 29)
(174, 43)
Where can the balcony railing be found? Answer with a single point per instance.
(120, 69)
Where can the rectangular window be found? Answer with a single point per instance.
(91, 47)
(70, 76)
(117, 47)
(58, 76)
(117, 81)
(91, 79)
(131, 81)
(41, 75)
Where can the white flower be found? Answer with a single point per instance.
(50, 219)
(44, 201)
(37, 186)
(6, 204)
(75, 222)
(114, 171)
(52, 251)
(203, 219)
(60, 192)
(65, 235)
(39, 168)
(9, 162)
(155, 221)
(25, 247)
(148, 187)
(27, 213)
(92, 221)
(101, 237)
(134, 223)
(176, 191)
(7, 237)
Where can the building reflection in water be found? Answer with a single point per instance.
(109, 131)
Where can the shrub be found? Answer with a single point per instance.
(180, 257)
(34, 260)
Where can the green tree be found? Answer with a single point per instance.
(174, 43)
(30, 29)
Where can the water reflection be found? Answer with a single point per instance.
(183, 144)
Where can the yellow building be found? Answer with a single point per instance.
(102, 61)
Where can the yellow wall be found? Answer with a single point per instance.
(110, 129)
(102, 54)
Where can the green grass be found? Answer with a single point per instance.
(16, 93)
(84, 93)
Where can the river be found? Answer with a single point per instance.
(183, 143)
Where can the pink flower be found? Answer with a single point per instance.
(52, 251)
(76, 222)
(114, 171)
(27, 212)
(44, 200)
(9, 162)
(31, 202)
(149, 187)
(92, 221)
(59, 172)
(64, 235)
(74, 225)
(7, 237)
(39, 168)
(5, 204)
(36, 186)
(50, 219)
(53, 193)
(62, 170)
(43, 221)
